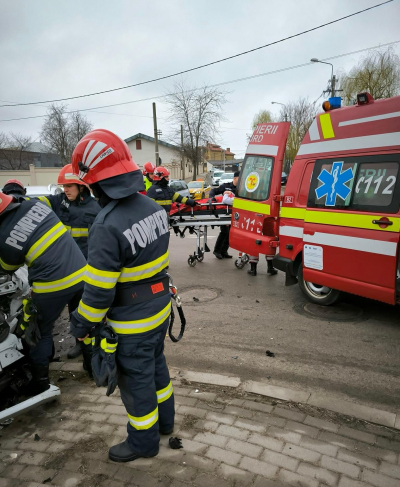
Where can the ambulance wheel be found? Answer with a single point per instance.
(192, 261)
(323, 295)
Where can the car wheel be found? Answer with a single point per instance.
(323, 295)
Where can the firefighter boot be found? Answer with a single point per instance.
(271, 269)
(122, 453)
(75, 351)
(253, 269)
(40, 380)
(87, 357)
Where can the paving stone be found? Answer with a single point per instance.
(204, 424)
(170, 455)
(239, 476)
(302, 429)
(211, 439)
(5, 482)
(33, 458)
(118, 420)
(250, 425)
(258, 467)
(104, 429)
(263, 482)
(379, 453)
(71, 425)
(276, 391)
(204, 396)
(197, 413)
(39, 446)
(229, 457)
(220, 418)
(357, 459)
(113, 409)
(183, 433)
(108, 400)
(244, 448)
(390, 470)
(199, 462)
(215, 379)
(270, 420)
(208, 480)
(319, 446)
(346, 482)
(10, 443)
(280, 460)
(337, 440)
(95, 417)
(378, 480)
(340, 466)
(318, 473)
(72, 367)
(193, 446)
(285, 435)
(13, 471)
(233, 432)
(288, 414)
(296, 480)
(237, 411)
(37, 474)
(182, 391)
(322, 424)
(67, 479)
(357, 435)
(94, 407)
(301, 453)
(258, 406)
(64, 435)
(180, 472)
(388, 444)
(266, 442)
(187, 401)
(209, 406)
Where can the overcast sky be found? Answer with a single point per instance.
(53, 49)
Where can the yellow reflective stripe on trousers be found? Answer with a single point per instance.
(93, 315)
(144, 422)
(141, 326)
(99, 278)
(60, 284)
(44, 200)
(251, 206)
(165, 393)
(9, 267)
(163, 202)
(44, 242)
(144, 271)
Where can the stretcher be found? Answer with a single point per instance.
(197, 221)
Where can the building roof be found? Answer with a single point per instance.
(37, 147)
(217, 148)
(151, 139)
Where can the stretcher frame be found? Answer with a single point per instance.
(198, 222)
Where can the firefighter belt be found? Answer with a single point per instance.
(28, 325)
(104, 364)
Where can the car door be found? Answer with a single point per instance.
(256, 207)
(352, 224)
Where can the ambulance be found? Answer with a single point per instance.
(336, 228)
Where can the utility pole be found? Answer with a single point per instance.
(223, 153)
(156, 135)
(333, 85)
(182, 155)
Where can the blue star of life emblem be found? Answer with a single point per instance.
(334, 184)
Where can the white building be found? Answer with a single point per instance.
(142, 148)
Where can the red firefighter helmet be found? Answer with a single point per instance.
(5, 200)
(66, 176)
(148, 168)
(101, 154)
(15, 181)
(159, 173)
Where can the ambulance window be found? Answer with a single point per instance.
(256, 178)
(305, 185)
(375, 184)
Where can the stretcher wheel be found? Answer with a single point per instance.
(192, 261)
(245, 258)
(239, 264)
(200, 258)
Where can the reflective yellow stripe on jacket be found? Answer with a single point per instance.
(44, 200)
(176, 196)
(104, 279)
(60, 284)
(9, 267)
(94, 315)
(163, 202)
(44, 242)
(144, 422)
(77, 232)
(164, 394)
(141, 326)
(144, 271)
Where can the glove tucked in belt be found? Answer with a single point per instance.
(27, 324)
(104, 364)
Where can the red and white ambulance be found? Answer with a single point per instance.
(338, 227)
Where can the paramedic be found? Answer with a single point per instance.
(148, 171)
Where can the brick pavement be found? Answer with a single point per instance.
(230, 439)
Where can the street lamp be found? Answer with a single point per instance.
(333, 78)
(277, 103)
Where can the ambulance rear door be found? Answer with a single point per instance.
(255, 211)
(352, 224)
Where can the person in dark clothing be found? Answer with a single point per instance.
(161, 193)
(77, 210)
(222, 243)
(14, 188)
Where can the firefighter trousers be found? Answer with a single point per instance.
(146, 389)
(222, 243)
(50, 306)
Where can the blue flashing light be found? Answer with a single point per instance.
(335, 102)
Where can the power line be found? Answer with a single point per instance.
(204, 65)
(93, 109)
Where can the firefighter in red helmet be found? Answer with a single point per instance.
(161, 192)
(126, 291)
(14, 187)
(148, 171)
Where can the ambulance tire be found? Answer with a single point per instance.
(322, 295)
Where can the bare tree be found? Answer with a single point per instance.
(378, 73)
(199, 111)
(301, 113)
(61, 131)
(13, 153)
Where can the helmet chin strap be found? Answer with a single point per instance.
(100, 195)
